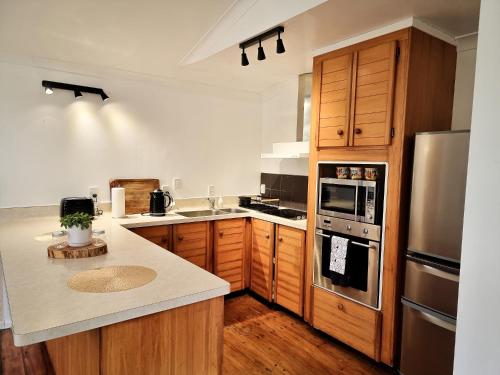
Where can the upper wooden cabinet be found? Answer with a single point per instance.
(356, 96)
(229, 251)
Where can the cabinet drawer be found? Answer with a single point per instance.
(160, 235)
(356, 325)
(192, 242)
(229, 251)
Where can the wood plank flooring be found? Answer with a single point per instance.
(258, 339)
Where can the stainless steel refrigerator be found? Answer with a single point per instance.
(430, 294)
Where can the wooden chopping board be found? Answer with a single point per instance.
(136, 192)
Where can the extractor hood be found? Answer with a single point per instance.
(300, 148)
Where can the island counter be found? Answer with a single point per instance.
(172, 325)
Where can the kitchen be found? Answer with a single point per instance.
(193, 120)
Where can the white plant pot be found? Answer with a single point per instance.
(79, 237)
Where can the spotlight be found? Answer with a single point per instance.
(49, 91)
(260, 52)
(78, 94)
(280, 48)
(104, 96)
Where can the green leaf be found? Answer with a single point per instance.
(78, 219)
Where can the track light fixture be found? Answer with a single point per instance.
(244, 58)
(280, 47)
(260, 52)
(77, 89)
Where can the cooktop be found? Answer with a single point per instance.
(286, 213)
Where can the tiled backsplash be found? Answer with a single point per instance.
(291, 190)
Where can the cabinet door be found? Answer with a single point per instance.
(192, 242)
(261, 278)
(289, 279)
(335, 98)
(160, 235)
(373, 96)
(356, 325)
(229, 251)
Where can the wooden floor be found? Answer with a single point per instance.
(258, 339)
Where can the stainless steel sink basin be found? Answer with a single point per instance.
(233, 210)
(200, 213)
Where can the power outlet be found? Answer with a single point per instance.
(165, 187)
(211, 190)
(93, 190)
(176, 183)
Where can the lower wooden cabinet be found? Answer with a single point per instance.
(160, 235)
(289, 271)
(192, 241)
(356, 325)
(261, 275)
(229, 251)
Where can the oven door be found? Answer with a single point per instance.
(364, 284)
(344, 199)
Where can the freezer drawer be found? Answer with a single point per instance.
(431, 285)
(427, 344)
(438, 194)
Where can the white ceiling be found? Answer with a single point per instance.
(160, 37)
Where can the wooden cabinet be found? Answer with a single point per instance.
(350, 322)
(160, 235)
(356, 97)
(229, 251)
(261, 278)
(289, 279)
(192, 241)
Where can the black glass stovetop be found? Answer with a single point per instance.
(286, 213)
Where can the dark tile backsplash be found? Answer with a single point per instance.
(291, 190)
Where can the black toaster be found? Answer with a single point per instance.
(72, 205)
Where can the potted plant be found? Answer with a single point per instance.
(79, 226)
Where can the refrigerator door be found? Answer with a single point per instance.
(438, 194)
(428, 342)
(432, 285)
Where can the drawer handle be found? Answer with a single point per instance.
(164, 239)
(357, 131)
(180, 238)
(280, 239)
(267, 236)
(221, 233)
(340, 307)
(340, 132)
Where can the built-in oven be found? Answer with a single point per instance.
(363, 278)
(349, 199)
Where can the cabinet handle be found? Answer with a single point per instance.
(280, 239)
(164, 239)
(267, 236)
(340, 307)
(180, 238)
(221, 233)
(340, 132)
(357, 131)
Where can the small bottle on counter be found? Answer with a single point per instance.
(220, 202)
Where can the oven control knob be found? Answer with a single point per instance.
(365, 231)
(348, 227)
(370, 217)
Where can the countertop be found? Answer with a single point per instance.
(43, 307)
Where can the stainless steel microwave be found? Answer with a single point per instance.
(348, 199)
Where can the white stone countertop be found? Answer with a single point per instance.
(43, 307)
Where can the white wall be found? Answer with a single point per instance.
(477, 349)
(52, 146)
(279, 124)
(464, 82)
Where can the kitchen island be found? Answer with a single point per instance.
(174, 324)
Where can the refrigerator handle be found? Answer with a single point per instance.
(429, 317)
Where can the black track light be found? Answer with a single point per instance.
(280, 47)
(260, 52)
(104, 96)
(78, 94)
(244, 58)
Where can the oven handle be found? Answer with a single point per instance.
(356, 203)
(323, 235)
(362, 244)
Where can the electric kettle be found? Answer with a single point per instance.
(159, 202)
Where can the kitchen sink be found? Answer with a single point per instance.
(233, 210)
(200, 213)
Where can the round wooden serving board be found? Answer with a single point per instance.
(64, 251)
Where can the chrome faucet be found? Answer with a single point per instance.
(211, 202)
